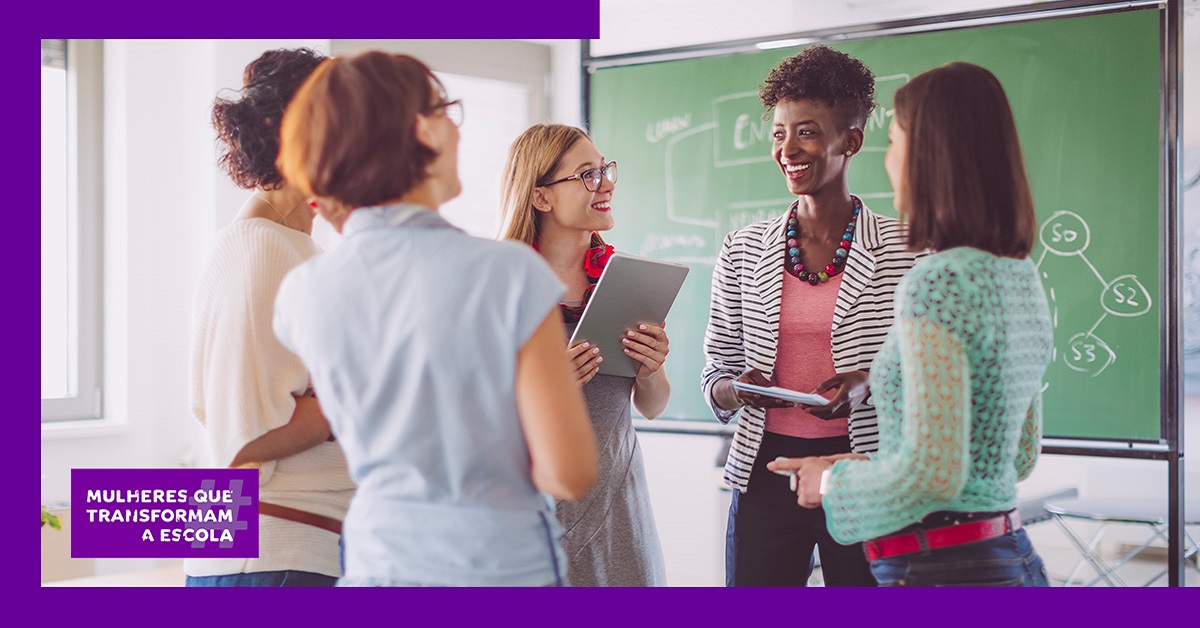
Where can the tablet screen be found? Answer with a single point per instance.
(633, 290)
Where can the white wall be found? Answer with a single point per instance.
(638, 25)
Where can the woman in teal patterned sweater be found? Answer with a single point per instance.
(958, 381)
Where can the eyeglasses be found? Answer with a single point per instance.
(454, 110)
(591, 178)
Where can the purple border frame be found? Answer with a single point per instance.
(525, 19)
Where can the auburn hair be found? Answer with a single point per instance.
(350, 132)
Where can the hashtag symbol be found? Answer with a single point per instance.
(236, 525)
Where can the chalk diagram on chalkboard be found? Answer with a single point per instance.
(734, 142)
(1066, 234)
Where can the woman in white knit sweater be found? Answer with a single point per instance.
(251, 394)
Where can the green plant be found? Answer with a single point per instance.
(50, 518)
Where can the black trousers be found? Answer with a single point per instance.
(770, 538)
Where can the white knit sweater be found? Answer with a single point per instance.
(242, 382)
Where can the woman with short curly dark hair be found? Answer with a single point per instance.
(801, 301)
(251, 394)
(247, 124)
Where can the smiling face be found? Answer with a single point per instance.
(568, 205)
(896, 162)
(810, 146)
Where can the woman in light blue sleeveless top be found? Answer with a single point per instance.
(437, 356)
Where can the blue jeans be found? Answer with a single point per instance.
(286, 578)
(1005, 561)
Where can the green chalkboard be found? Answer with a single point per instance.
(695, 164)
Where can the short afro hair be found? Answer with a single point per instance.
(247, 124)
(821, 73)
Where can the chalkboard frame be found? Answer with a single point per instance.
(1169, 445)
(1170, 19)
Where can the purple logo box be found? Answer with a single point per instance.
(164, 513)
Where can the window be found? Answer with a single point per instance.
(496, 113)
(71, 229)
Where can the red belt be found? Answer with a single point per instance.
(949, 536)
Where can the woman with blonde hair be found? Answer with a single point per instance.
(557, 197)
(452, 438)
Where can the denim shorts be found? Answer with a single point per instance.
(285, 578)
(1004, 561)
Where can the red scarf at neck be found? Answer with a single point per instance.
(594, 262)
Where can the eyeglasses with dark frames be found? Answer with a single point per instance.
(453, 108)
(590, 177)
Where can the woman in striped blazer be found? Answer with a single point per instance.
(802, 301)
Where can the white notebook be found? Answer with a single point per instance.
(775, 392)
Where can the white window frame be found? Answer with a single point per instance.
(85, 200)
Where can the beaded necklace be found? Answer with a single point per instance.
(594, 262)
(795, 267)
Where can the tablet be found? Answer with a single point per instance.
(808, 399)
(632, 290)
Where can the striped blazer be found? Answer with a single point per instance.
(743, 326)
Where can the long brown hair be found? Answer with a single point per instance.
(533, 157)
(965, 181)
